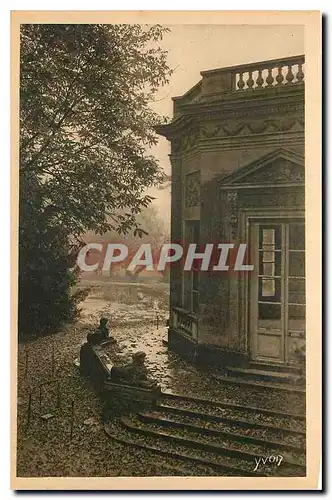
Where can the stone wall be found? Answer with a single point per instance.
(176, 231)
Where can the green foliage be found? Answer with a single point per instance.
(85, 127)
(150, 228)
(85, 120)
(47, 269)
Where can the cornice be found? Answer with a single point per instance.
(288, 103)
(237, 144)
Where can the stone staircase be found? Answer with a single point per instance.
(216, 438)
(284, 377)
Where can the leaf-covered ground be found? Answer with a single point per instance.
(72, 442)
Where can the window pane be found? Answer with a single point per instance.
(268, 287)
(296, 318)
(277, 259)
(296, 264)
(268, 256)
(296, 236)
(269, 316)
(296, 291)
(296, 311)
(268, 236)
(268, 269)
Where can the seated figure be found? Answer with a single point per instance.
(103, 329)
(100, 334)
(135, 373)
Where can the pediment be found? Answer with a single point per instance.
(280, 166)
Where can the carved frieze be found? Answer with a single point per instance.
(232, 202)
(215, 130)
(193, 189)
(189, 141)
(279, 171)
(252, 127)
(273, 197)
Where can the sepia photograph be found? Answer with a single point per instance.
(166, 177)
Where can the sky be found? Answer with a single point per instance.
(195, 48)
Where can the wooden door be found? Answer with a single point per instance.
(277, 290)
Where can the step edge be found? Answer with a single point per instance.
(200, 444)
(236, 406)
(225, 433)
(227, 419)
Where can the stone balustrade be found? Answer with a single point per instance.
(259, 75)
(185, 322)
(231, 81)
(269, 74)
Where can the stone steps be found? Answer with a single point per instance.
(266, 375)
(274, 367)
(242, 381)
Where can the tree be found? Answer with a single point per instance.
(47, 272)
(154, 231)
(156, 235)
(85, 127)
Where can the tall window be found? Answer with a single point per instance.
(191, 278)
(269, 290)
(281, 283)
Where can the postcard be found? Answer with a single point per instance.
(166, 250)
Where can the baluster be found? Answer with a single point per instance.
(289, 76)
(260, 79)
(241, 83)
(269, 78)
(250, 81)
(300, 74)
(280, 76)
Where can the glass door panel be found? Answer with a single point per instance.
(267, 318)
(269, 279)
(296, 299)
(277, 313)
(296, 236)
